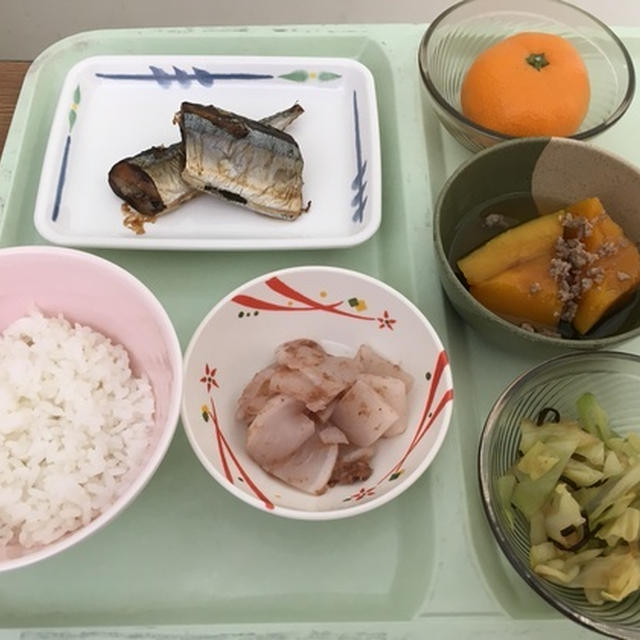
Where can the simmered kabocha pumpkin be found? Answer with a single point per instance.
(516, 274)
(618, 264)
(526, 292)
(512, 247)
(621, 276)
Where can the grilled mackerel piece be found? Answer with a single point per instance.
(242, 160)
(151, 181)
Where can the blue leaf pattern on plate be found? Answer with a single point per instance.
(61, 178)
(72, 117)
(183, 78)
(203, 76)
(359, 184)
(160, 76)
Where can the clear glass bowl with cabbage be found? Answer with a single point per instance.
(578, 484)
(559, 467)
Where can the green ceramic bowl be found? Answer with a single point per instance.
(519, 179)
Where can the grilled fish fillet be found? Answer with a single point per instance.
(242, 160)
(151, 181)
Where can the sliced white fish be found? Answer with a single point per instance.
(325, 414)
(352, 452)
(372, 362)
(332, 435)
(255, 395)
(335, 371)
(310, 467)
(296, 385)
(394, 392)
(363, 414)
(298, 354)
(278, 430)
(352, 464)
(316, 385)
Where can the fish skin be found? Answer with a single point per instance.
(282, 119)
(151, 181)
(242, 160)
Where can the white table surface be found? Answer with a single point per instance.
(29, 26)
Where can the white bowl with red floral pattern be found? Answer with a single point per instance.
(341, 310)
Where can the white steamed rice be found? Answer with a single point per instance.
(74, 427)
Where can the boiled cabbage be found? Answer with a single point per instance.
(578, 485)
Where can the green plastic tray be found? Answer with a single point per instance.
(187, 560)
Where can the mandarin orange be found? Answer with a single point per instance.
(530, 84)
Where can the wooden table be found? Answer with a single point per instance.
(11, 77)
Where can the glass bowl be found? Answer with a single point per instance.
(459, 34)
(614, 377)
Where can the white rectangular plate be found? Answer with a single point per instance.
(113, 107)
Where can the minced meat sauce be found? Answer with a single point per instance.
(570, 266)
